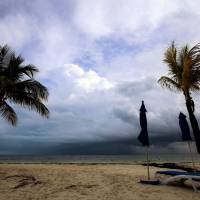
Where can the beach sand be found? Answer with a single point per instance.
(85, 182)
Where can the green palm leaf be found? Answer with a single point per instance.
(34, 87)
(8, 113)
(169, 83)
(17, 84)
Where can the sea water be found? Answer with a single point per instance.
(97, 159)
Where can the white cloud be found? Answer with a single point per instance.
(88, 81)
(74, 70)
(129, 20)
(15, 30)
(92, 81)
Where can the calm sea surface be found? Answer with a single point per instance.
(95, 159)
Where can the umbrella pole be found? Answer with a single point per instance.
(148, 174)
(191, 154)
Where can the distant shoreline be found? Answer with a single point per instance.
(88, 163)
(95, 159)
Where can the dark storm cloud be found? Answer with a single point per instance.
(162, 126)
(162, 120)
(27, 146)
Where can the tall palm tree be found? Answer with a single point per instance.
(18, 86)
(184, 76)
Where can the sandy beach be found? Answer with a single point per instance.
(86, 182)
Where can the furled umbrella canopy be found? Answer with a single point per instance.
(143, 136)
(185, 130)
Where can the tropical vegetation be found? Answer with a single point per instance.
(18, 86)
(184, 76)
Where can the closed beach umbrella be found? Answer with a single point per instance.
(143, 136)
(185, 130)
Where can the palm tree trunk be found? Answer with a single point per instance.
(193, 120)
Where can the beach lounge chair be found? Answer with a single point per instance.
(180, 177)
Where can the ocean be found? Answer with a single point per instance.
(96, 159)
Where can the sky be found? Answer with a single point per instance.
(99, 60)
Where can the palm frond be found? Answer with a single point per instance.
(8, 113)
(169, 83)
(194, 54)
(195, 76)
(12, 70)
(183, 57)
(195, 50)
(5, 54)
(4, 50)
(184, 68)
(28, 100)
(195, 87)
(15, 70)
(18, 86)
(6, 85)
(187, 61)
(29, 70)
(34, 87)
(170, 58)
(195, 61)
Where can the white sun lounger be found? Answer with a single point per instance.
(183, 178)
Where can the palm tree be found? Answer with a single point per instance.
(18, 86)
(184, 76)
